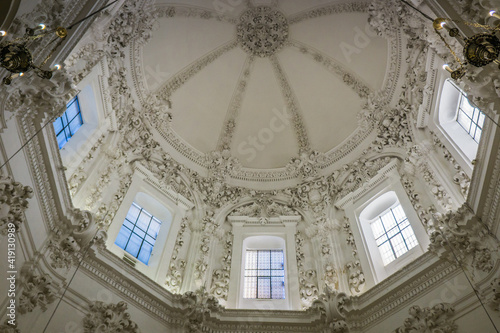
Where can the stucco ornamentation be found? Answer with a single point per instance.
(173, 280)
(262, 31)
(308, 280)
(356, 277)
(494, 301)
(220, 277)
(424, 320)
(13, 202)
(40, 95)
(8, 328)
(461, 235)
(37, 292)
(109, 318)
(331, 305)
(197, 307)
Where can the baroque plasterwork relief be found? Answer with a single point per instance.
(460, 235)
(177, 80)
(435, 319)
(37, 291)
(13, 202)
(262, 31)
(313, 195)
(108, 318)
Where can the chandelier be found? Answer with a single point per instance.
(16, 57)
(479, 50)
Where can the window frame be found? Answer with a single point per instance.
(387, 180)
(158, 265)
(267, 277)
(473, 123)
(399, 232)
(282, 229)
(66, 123)
(132, 232)
(445, 109)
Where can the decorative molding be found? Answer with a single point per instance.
(230, 122)
(331, 305)
(416, 161)
(264, 207)
(197, 306)
(169, 11)
(460, 235)
(435, 319)
(37, 291)
(33, 96)
(460, 178)
(262, 31)
(109, 318)
(352, 80)
(329, 10)
(173, 280)
(494, 301)
(8, 328)
(356, 277)
(177, 80)
(308, 280)
(292, 105)
(221, 276)
(13, 203)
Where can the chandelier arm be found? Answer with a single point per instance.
(51, 52)
(477, 25)
(449, 48)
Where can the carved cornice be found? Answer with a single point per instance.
(387, 297)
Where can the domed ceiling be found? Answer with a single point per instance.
(262, 81)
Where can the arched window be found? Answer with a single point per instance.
(460, 120)
(264, 266)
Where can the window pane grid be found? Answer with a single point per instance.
(66, 128)
(264, 274)
(134, 236)
(393, 234)
(469, 117)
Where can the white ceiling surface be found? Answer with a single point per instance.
(329, 108)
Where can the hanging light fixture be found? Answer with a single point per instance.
(479, 50)
(16, 57)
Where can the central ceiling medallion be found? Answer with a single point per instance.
(262, 31)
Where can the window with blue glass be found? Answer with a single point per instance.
(138, 233)
(67, 125)
(264, 274)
